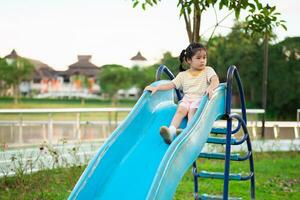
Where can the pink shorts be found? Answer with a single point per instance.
(189, 103)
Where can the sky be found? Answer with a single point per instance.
(56, 31)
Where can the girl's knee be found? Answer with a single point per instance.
(182, 111)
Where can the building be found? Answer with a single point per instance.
(139, 60)
(42, 72)
(79, 80)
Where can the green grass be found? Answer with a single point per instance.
(7, 103)
(277, 177)
(48, 184)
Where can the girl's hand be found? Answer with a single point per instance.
(151, 89)
(209, 91)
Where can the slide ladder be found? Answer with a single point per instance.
(227, 140)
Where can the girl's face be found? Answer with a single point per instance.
(198, 61)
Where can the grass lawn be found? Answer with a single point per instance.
(7, 103)
(277, 177)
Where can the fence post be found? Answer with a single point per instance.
(50, 128)
(20, 129)
(116, 119)
(254, 127)
(276, 131)
(297, 128)
(78, 131)
(109, 121)
(44, 132)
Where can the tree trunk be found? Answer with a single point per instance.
(197, 20)
(114, 100)
(192, 32)
(16, 93)
(265, 81)
(82, 101)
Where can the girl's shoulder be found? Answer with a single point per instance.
(183, 73)
(209, 68)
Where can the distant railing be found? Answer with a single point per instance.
(77, 111)
(47, 124)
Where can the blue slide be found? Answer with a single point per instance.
(135, 163)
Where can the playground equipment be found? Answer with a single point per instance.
(135, 163)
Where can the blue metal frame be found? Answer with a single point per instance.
(233, 73)
(164, 69)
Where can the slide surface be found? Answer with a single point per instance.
(135, 163)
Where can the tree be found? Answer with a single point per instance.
(171, 62)
(13, 72)
(141, 77)
(284, 93)
(113, 78)
(192, 11)
(262, 23)
(243, 51)
(3, 86)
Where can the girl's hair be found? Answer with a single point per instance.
(189, 52)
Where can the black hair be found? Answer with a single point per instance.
(189, 52)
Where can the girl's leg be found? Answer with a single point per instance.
(191, 114)
(169, 133)
(180, 114)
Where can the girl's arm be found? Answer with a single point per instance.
(153, 89)
(214, 83)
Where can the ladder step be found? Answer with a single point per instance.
(221, 156)
(219, 130)
(216, 197)
(218, 175)
(217, 140)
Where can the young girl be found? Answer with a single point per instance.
(195, 82)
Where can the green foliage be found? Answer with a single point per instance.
(226, 51)
(113, 78)
(171, 62)
(237, 6)
(260, 18)
(264, 20)
(13, 73)
(20, 69)
(141, 77)
(284, 73)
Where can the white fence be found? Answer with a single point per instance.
(46, 127)
(80, 150)
(44, 130)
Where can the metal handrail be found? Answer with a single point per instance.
(164, 69)
(233, 73)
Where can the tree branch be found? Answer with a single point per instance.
(187, 22)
